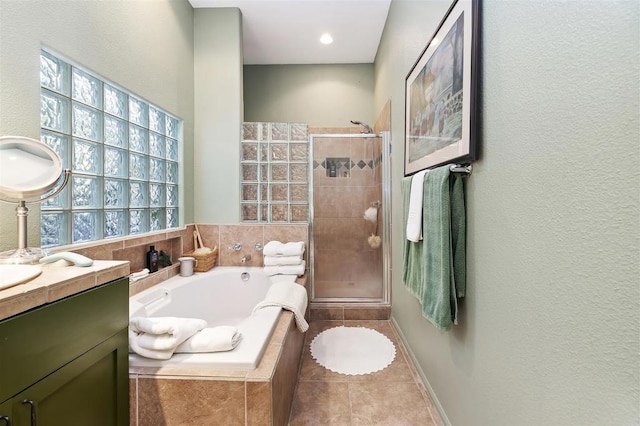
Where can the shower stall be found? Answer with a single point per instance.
(349, 218)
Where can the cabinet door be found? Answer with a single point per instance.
(90, 390)
(5, 414)
(38, 342)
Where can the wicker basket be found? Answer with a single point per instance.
(204, 262)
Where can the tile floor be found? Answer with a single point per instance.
(393, 396)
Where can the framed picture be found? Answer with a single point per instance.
(441, 93)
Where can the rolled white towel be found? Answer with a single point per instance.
(285, 269)
(276, 248)
(147, 353)
(138, 275)
(162, 333)
(282, 260)
(212, 339)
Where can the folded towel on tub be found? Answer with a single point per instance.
(282, 260)
(285, 269)
(159, 337)
(276, 248)
(290, 296)
(211, 339)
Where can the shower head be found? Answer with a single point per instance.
(367, 128)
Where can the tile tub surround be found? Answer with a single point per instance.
(201, 396)
(57, 282)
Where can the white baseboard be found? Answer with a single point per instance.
(423, 377)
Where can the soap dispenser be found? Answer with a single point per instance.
(152, 259)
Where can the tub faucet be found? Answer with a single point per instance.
(245, 258)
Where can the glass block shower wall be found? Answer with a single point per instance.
(122, 150)
(274, 172)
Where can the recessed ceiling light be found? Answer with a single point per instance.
(326, 38)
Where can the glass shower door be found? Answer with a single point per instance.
(347, 223)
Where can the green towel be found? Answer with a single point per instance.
(434, 268)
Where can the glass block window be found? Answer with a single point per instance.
(274, 167)
(123, 153)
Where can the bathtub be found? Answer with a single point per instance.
(221, 297)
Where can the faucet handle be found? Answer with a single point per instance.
(236, 247)
(258, 247)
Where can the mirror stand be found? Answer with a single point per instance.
(30, 171)
(24, 254)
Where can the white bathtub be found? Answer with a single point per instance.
(220, 297)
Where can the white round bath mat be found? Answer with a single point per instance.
(352, 350)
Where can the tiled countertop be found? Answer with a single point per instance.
(58, 281)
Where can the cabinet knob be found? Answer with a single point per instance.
(6, 419)
(33, 410)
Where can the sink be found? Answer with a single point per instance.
(11, 275)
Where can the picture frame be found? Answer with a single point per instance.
(440, 101)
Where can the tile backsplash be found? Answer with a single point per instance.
(175, 242)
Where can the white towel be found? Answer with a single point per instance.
(289, 296)
(282, 260)
(285, 269)
(414, 216)
(276, 248)
(138, 275)
(211, 339)
(158, 337)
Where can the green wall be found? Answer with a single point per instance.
(145, 47)
(549, 329)
(218, 114)
(319, 95)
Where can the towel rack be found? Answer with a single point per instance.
(462, 168)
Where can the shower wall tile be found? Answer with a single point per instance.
(340, 234)
(331, 265)
(346, 288)
(383, 121)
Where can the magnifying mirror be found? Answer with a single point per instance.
(29, 169)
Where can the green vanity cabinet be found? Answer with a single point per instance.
(66, 363)
(5, 409)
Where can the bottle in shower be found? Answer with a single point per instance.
(152, 259)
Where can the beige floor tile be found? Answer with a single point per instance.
(310, 370)
(388, 403)
(321, 403)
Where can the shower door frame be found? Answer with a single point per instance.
(385, 150)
